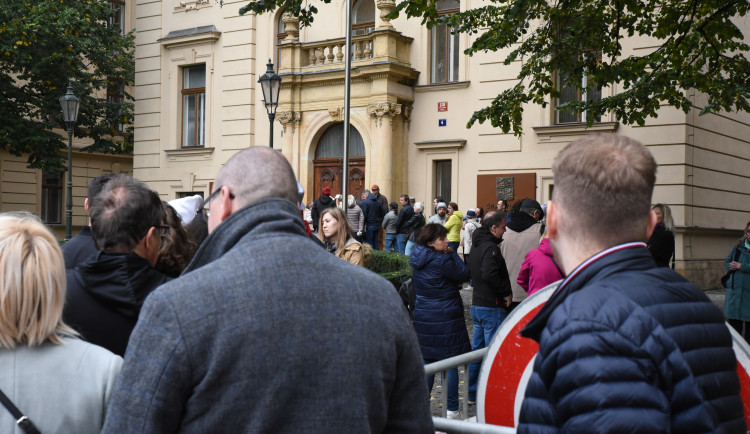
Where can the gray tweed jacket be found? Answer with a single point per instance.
(242, 342)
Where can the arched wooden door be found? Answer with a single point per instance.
(329, 162)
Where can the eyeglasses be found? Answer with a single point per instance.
(164, 230)
(206, 205)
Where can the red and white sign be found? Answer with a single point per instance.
(509, 362)
(443, 106)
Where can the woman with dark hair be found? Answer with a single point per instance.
(661, 243)
(480, 214)
(438, 273)
(737, 304)
(453, 225)
(176, 247)
(336, 236)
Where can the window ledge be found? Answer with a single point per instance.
(546, 132)
(440, 144)
(185, 154)
(439, 87)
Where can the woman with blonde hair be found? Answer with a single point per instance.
(60, 383)
(661, 243)
(336, 235)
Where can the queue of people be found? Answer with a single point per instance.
(171, 322)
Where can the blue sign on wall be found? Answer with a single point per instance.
(442, 122)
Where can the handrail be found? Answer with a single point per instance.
(461, 426)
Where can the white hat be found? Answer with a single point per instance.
(187, 207)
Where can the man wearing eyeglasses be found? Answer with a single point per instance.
(242, 342)
(106, 292)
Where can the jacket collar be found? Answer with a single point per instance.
(520, 221)
(628, 256)
(256, 220)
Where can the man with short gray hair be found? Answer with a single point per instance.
(238, 344)
(624, 345)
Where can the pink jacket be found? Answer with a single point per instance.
(538, 269)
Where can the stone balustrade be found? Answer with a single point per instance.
(332, 51)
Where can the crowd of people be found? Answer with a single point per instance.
(189, 316)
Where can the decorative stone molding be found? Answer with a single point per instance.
(337, 114)
(289, 119)
(291, 27)
(385, 6)
(406, 110)
(378, 111)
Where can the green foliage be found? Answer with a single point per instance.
(43, 45)
(391, 266)
(696, 45)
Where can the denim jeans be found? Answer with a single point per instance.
(409, 247)
(371, 233)
(390, 242)
(451, 386)
(454, 245)
(486, 322)
(401, 243)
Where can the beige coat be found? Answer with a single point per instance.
(355, 252)
(514, 248)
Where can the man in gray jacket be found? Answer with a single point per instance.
(236, 344)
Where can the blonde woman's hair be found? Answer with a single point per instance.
(32, 283)
(344, 231)
(667, 214)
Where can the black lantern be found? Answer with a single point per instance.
(270, 83)
(69, 104)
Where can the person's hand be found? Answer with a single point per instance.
(448, 249)
(508, 300)
(734, 265)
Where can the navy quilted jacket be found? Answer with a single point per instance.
(627, 347)
(439, 310)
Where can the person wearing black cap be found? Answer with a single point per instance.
(524, 231)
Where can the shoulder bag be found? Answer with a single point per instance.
(725, 278)
(22, 421)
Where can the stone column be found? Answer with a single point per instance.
(381, 157)
(289, 121)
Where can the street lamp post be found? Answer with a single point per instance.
(270, 83)
(69, 104)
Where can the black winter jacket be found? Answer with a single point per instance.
(625, 346)
(488, 271)
(324, 202)
(79, 248)
(372, 210)
(105, 295)
(404, 215)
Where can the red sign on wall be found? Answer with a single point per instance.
(443, 106)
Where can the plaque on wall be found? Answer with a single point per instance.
(504, 187)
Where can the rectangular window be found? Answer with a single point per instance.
(52, 198)
(575, 92)
(116, 95)
(444, 54)
(118, 19)
(182, 194)
(443, 179)
(193, 106)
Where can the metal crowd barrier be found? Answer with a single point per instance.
(453, 425)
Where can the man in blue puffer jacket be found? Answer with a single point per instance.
(624, 346)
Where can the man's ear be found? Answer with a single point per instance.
(226, 204)
(86, 205)
(148, 247)
(552, 220)
(652, 219)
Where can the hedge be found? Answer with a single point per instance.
(391, 266)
